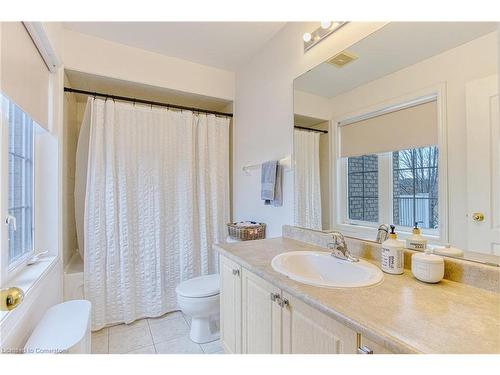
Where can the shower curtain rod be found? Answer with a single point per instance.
(311, 130)
(143, 101)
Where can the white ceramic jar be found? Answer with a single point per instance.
(427, 267)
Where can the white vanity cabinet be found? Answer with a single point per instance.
(261, 315)
(258, 317)
(230, 305)
(309, 331)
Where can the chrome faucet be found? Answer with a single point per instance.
(382, 233)
(339, 248)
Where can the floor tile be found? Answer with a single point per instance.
(187, 319)
(146, 350)
(121, 328)
(168, 329)
(130, 339)
(180, 345)
(99, 343)
(168, 316)
(212, 347)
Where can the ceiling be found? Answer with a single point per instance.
(224, 45)
(394, 47)
(95, 83)
(307, 121)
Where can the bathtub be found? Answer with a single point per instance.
(73, 278)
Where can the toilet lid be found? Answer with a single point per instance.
(203, 286)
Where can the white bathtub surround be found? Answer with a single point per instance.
(157, 198)
(307, 195)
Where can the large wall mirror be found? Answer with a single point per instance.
(402, 128)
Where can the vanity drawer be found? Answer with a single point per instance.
(367, 346)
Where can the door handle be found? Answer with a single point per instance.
(478, 216)
(10, 298)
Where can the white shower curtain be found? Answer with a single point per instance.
(157, 199)
(307, 196)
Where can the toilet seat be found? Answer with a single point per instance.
(199, 287)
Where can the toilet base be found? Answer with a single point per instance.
(204, 330)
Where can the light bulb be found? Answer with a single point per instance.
(326, 24)
(307, 37)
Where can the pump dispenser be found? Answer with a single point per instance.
(416, 241)
(392, 257)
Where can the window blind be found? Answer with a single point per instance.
(410, 127)
(25, 77)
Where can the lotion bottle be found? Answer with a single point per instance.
(416, 241)
(392, 257)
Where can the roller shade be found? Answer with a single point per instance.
(410, 127)
(25, 77)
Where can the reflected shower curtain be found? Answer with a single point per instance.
(157, 198)
(307, 196)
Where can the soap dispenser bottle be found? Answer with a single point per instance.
(392, 257)
(416, 241)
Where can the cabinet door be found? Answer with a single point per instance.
(308, 331)
(368, 346)
(230, 305)
(261, 316)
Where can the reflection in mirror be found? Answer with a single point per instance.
(402, 128)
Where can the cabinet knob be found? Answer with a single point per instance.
(284, 303)
(275, 297)
(236, 272)
(364, 350)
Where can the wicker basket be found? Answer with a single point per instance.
(247, 233)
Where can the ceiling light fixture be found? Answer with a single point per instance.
(327, 28)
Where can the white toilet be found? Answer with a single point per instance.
(199, 299)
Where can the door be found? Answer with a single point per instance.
(483, 165)
(230, 305)
(309, 331)
(261, 318)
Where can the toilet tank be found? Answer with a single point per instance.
(65, 328)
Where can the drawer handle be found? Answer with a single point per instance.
(364, 350)
(284, 303)
(236, 272)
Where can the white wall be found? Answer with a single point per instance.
(453, 68)
(93, 55)
(16, 327)
(264, 113)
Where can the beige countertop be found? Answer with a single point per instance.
(401, 313)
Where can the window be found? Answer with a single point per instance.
(399, 187)
(362, 177)
(20, 184)
(415, 187)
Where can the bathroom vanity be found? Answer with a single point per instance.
(263, 311)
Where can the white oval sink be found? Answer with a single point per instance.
(319, 268)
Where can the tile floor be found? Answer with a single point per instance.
(168, 334)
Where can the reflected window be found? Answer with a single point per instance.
(362, 189)
(415, 187)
